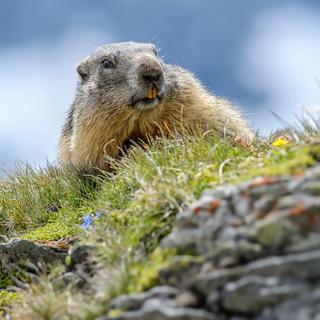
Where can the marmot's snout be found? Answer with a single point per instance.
(150, 81)
(151, 74)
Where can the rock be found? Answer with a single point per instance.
(186, 299)
(135, 301)
(68, 279)
(82, 260)
(303, 307)
(80, 254)
(186, 241)
(252, 293)
(277, 189)
(298, 267)
(265, 204)
(310, 187)
(313, 173)
(306, 203)
(20, 251)
(242, 205)
(156, 309)
(308, 243)
(274, 232)
(181, 271)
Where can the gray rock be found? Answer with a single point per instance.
(185, 240)
(20, 251)
(305, 243)
(180, 273)
(274, 232)
(313, 173)
(304, 307)
(222, 192)
(186, 299)
(265, 204)
(80, 254)
(70, 279)
(310, 187)
(299, 266)
(242, 205)
(252, 293)
(277, 189)
(135, 301)
(82, 260)
(306, 203)
(158, 310)
(233, 252)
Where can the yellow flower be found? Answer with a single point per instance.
(280, 142)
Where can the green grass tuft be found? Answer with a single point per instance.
(32, 198)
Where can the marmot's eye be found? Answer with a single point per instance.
(106, 63)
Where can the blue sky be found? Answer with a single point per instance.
(262, 55)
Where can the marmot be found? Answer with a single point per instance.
(126, 93)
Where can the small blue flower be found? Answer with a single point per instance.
(87, 221)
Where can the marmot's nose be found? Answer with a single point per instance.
(152, 74)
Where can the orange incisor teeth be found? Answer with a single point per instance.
(152, 93)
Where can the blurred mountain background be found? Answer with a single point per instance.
(262, 55)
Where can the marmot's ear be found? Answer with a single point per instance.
(83, 69)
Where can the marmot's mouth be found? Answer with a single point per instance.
(146, 101)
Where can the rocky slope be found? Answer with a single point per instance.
(250, 251)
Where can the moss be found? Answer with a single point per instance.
(146, 275)
(55, 230)
(114, 313)
(7, 299)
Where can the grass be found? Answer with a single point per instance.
(35, 198)
(138, 204)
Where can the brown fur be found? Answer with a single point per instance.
(93, 130)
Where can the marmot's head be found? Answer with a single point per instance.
(124, 75)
